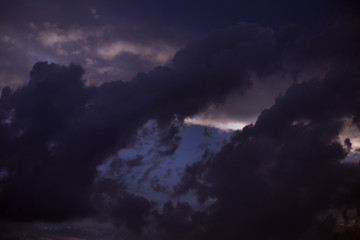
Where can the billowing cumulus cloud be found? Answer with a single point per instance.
(278, 178)
(56, 130)
(281, 177)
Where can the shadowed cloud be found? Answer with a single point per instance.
(270, 181)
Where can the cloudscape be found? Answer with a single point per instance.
(180, 120)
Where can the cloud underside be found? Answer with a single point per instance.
(282, 177)
(106, 52)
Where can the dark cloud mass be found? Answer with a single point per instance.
(287, 176)
(55, 130)
(280, 172)
(275, 177)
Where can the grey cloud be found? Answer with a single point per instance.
(274, 178)
(61, 130)
(55, 131)
(105, 51)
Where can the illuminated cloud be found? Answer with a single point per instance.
(112, 56)
(50, 38)
(221, 124)
(158, 53)
(352, 132)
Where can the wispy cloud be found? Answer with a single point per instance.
(160, 53)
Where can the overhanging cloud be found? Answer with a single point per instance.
(283, 170)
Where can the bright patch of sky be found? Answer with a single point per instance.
(222, 125)
(352, 132)
(156, 174)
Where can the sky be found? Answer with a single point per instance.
(150, 120)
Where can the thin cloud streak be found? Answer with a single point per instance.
(223, 125)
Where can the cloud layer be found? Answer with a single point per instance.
(271, 181)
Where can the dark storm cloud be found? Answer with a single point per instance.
(41, 117)
(303, 56)
(276, 177)
(157, 27)
(109, 48)
(55, 130)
